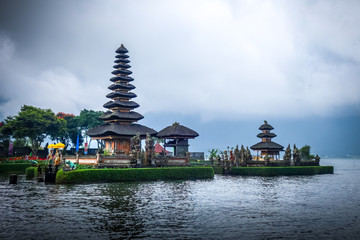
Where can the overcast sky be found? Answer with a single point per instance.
(218, 60)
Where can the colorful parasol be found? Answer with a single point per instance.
(51, 146)
(59, 145)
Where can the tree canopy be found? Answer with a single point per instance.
(34, 124)
(305, 153)
(89, 119)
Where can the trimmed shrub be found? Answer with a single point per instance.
(31, 172)
(218, 170)
(134, 174)
(14, 167)
(282, 171)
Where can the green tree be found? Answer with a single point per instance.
(305, 153)
(6, 132)
(21, 142)
(73, 129)
(89, 119)
(213, 153)
(72, 125)
(36, 124)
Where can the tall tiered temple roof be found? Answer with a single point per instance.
(120, 118)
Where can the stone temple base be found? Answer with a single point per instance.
(125, 161)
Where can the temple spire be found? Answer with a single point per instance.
(120, 118)
(121, 107)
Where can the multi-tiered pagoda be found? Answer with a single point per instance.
(120, 118)
(266, 146)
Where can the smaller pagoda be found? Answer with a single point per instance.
(177, 136)
(267, 147)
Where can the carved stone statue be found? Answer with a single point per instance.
(231, 158)
(136, 149)
(98, 157)
(296, 156)
(248, 155)
(242, 156)
(227, 168)
(149, 148)
(188, 158)
(237, 155)
(317, 160)
(77, 157)
(287, 156)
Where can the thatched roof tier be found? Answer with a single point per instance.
(121, 78)
(177, 131)
(121, 49)
(120, 65)
(121, 86)
(121, 71)
(126, 95)
(267, 146)
(121, 104)
(122, 60)
(126, 130)
(122, 116)
(266, 126)
(266, 135)
(121, 56)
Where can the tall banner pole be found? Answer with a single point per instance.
(11, 148)
(77, 141)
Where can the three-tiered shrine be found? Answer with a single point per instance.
(120, 119)
(266, 147)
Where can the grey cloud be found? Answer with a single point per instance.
(219, 59)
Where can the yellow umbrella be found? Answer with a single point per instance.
(51, 146)
(59, 145)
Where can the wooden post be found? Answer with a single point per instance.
(13, 179)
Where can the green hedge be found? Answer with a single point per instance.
(31, 172)
(14, 167)
(281, 171)
(133, 174)
(218, 170)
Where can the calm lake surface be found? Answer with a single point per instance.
(226, 207)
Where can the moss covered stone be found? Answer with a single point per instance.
(133, 174)
(282, 171)
(31, 172)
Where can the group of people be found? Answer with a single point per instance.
(54, 158)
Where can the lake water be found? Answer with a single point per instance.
(226, 207)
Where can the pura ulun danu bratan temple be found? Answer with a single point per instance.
(120, 118)
(267, 147)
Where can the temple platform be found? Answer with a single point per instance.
(126, 161)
